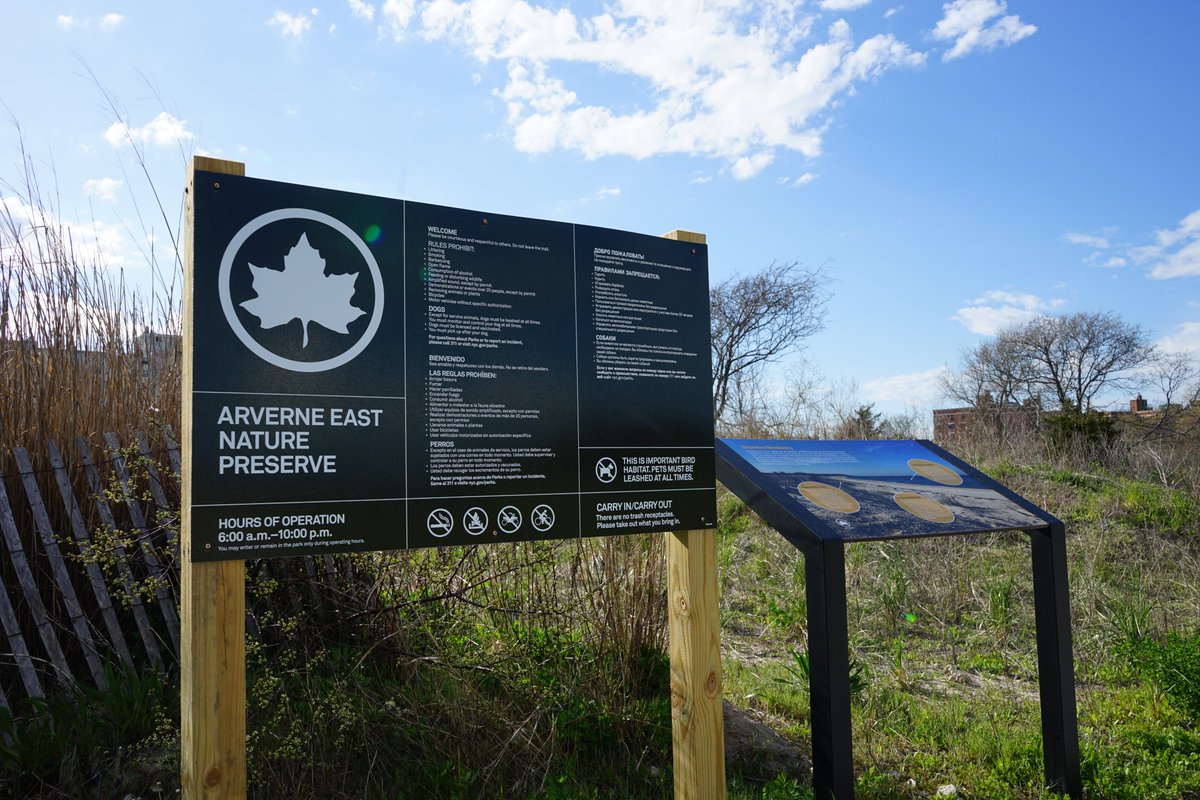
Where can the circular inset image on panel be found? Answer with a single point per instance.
(935, 471)
(924, 507)
(829, 497)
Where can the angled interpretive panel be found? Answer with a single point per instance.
(858, 490)
(823, 494)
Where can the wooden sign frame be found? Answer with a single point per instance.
(213, 611)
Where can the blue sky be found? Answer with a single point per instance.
(956, 166)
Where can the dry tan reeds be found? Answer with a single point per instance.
(81, 352)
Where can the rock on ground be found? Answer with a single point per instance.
(755, 752)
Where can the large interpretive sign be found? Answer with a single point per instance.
(378, 374)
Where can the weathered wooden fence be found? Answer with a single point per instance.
(89, 574)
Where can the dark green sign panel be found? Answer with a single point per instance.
(376, 374)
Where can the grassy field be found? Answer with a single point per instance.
(539, 671)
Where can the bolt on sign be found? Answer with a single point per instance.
(374, 374)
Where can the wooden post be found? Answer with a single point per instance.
(697, 722)
(697, 725)
(212, 605)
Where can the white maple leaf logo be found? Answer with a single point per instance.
(303, 291)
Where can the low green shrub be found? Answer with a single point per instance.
(1173, 665)
(65, 740)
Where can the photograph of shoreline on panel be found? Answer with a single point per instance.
(882, 489)
(376, 374)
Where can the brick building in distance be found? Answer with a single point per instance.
(953, 424)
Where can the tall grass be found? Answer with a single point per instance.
(81, 351)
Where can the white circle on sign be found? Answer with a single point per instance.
(439, 522)
(475, 520)
(542, 517)
(509, 519)
(606, 470)
(231, 251)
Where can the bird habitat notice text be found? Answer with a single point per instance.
(376, 374)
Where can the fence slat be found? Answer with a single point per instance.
(314, 583)
(157, 492)
(279, 571)
(116, 636)
(172, 450)
(106, 517)
(58, 569)
(20, 653)
(156, 488)
(165, 601)
(331, 576)
(16, 552)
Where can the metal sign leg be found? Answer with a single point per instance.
(1056, 670)
(829, 671)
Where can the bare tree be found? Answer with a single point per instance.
(1071, 358)
(994, 373)
(756, 320)
(1175, 377)
(1078, 356)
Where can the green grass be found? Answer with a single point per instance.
(69, 744)
(539, 671)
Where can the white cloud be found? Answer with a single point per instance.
(608, 191)
(1175, 252)
(1114, 262)
(998, 309)
(725, 80)
(362, 10)
(804, 180)
(66, 21)
(164, 129)
(1088, 240)
(291, 26)
(1185, 339)
(1182, 262)
(972, 24)
(111, 21)
(916, 389)
(891, 12)
(398, 13)
(103, 188)
(749, 166)
(96, 238)
(842, 5)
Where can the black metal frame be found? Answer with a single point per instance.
(828, 636)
